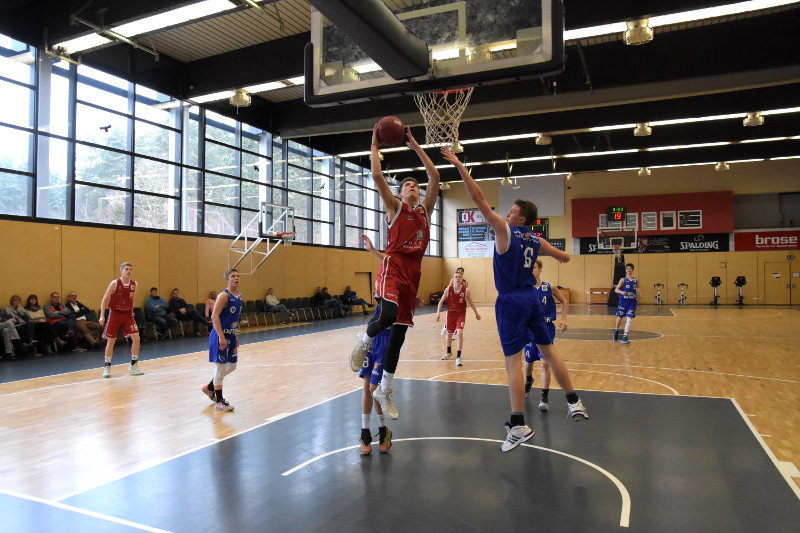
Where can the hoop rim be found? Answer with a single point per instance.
(452, 91)
(285, 234)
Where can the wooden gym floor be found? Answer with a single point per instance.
(81, 453)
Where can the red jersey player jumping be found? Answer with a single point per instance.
(398, 277)
(119, 298)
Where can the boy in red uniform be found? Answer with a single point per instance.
(457, 296)
(398, 277)
(119, 298)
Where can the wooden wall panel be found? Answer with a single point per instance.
(141, 249)
(681, 268)
(743, 264)
(651, 269)
(178, 266)
(88, 254)
(711, 264)
(295, 268)
(336, 277)
(32, 260)
(570, 275)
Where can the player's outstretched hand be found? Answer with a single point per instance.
(450, 156)
(412, 142)
(375, 141)
(368, 246)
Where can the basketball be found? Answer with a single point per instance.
(391, 131)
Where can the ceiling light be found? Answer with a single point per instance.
(644, 171)
(543, 139)
(264, 87)
(516, 186)
(638, 32)
(722, 166)
(642, 129)
(444, 186)
(570, 176)
(223, 95)
(240, 98)
(753, 119)
(298, 80)
(506, 181)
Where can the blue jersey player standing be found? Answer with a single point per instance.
(518, 311)
(223, 346)
(628, 299)
(548, 295)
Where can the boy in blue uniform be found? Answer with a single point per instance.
(520, 319)
(628, 299)
(372, 372)
(548, 295)
(223, 346)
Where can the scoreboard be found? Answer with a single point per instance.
(615, 214)
(541, 228)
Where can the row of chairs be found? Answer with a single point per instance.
(298, 306)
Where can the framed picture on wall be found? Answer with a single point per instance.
(650, 221)
(690, 219)
(632, 220)
(667, 219)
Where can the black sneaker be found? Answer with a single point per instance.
(385, 439)
(616, 335)
(366, 441)
(528, 384)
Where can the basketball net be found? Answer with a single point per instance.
(287, 236)
(617, 252)
(441, 111)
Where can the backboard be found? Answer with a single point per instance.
(623, 236)
(470, 42)
(275, 218)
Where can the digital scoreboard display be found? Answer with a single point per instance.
(541, 228)
(615, 214)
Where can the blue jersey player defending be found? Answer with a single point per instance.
(223, 346)
(548, 295)
(372, 372)
(628, 299)
(518, 311)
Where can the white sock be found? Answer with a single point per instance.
(365, 421)
(628, 325)
(366, 338)
(386, 380)
(382, 420)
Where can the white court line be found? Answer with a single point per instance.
(168, 459)
(688, 370)
(771, 455)
(625, 513)
(82, 511)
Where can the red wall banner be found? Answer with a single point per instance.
(766, 240)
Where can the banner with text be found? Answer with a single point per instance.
(702, 242)
(766, 240)
(475, 235)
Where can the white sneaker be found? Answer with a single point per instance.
(577, 411)
(385, 399)
(223, 406)
(543, 406)
(458, 361)
(359, 353)
(447, 355)
(106, 371)
(135, 370)
(516, 436)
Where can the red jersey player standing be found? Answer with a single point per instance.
(119, 298)
(398, 277)
(457, 297)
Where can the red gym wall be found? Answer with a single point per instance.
(717, 208)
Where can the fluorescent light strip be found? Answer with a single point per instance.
(787, 157)
(677, 18)
(212, 97)
(299, 80)
(745, 161)
(264, 87)
(86, 42)
(684, 165)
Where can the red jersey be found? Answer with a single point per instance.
(408, 233)
(456, 299)
(122, 297)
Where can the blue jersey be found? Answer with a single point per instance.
(629, 286)
(229, 320)
(548, 301)
(513, 270)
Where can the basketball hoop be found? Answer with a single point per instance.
(617, 252)
(441, 111)
(287, 236)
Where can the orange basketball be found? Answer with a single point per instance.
(391, 131)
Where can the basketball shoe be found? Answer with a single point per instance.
(359, 353)
(616, 335)
(385, 399)
(223, 405)
(106, 371)
(366, 441)
(528, 385)
(135, 370)
(543, 406)
(209, 393)
(458, 361)
(447, 355)
(577, 411)
(625, 340)
(385, 439)
(516, 436)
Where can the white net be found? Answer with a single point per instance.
(288, 238)
(617, 252)
(442, 112)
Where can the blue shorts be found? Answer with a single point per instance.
(520, 320)
(627, 307)
(373, 362)
(531, 351)
(229, 355)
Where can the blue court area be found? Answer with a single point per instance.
(646, 463)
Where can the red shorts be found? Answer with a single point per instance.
(120, 319)
(455, 321)
(398, 282)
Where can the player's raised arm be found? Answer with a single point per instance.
(104, 302)
(368, 246)
(390, 202)
(498, 223)
(432, 191)
(548, 249)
